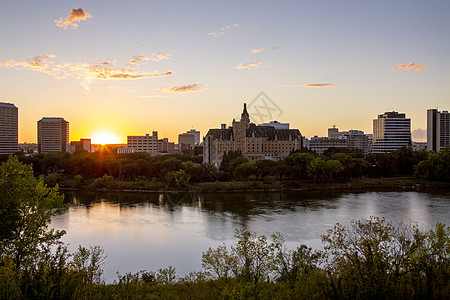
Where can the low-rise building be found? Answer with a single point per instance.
(254, 142)
(356, 139)
(186, 141)
(276, 125)
(164, 146)
(144, 143)
(321, 144)
(84, 144)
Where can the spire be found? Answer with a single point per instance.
(245, 117)
(245, 112)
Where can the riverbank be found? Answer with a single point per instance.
(357, 184)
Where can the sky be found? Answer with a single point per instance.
(118, 68)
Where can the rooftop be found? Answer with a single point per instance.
(4, 104)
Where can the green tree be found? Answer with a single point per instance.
(220, 262)
(26, 243)
(236, 162)
(298, 164)
(333, 168)
(321, 170)
(181, 178)
(252, 259)
(26, 209)
(34, 264)
(166, 275)
(244, 170)
(266, 167)
(436, 166)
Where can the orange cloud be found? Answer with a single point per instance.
(39, 63)
(183, 89)
(160, 56)
(102, 71)
(138, 58)
(253, 51)
(408, 67)
(222, 30)
(253, 65)
(75, 16)
(315, 85)
(82, 71)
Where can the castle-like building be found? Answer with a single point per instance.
(255, 142)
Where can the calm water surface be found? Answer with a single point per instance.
(149, 231)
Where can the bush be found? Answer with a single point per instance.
(373, 259)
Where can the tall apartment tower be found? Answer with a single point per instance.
(8, 128)
(438, 130)
(391, 131)
(53, 135)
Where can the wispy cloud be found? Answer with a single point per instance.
(138, 58)
(314, 85)
(160, 56)
(259, 50)
(408, 67)
(252, 65)
(183, 89)
(39, 63)
(75, 16)
(104, 71)
(86, 71)
(223, 30)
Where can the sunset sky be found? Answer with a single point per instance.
(118, 68)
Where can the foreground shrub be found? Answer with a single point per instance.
(375, 260)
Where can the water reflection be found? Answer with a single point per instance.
(150, 230)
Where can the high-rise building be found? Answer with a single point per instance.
(391, 131)
(438, 130)
(8, 128)
(254, 142)
(53, 135)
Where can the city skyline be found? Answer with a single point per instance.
(131, 68)
(421, 137)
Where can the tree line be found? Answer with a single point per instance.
(181, 169)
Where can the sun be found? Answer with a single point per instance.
(105, 137)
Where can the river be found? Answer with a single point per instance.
(148, 231)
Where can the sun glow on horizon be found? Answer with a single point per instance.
(105, 137)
